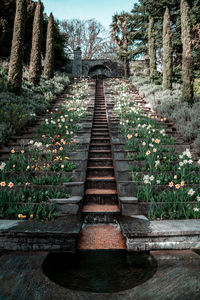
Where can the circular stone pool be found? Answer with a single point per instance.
(101, 271)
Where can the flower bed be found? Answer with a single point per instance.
(17, 112)
(163, 176)
(170, 105)
(45, 161)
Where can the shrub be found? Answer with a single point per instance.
(169, 104)
(18, 111)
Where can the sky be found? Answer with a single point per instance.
(101, 10)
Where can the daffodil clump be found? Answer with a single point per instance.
(44, 162)
(170, 181)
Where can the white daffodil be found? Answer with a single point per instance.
(191, 192)
(2, 166)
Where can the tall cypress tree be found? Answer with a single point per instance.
(187, 61)
(49, 58)
(17, 50)
(35, 69)
(167, 52)
(152, 48)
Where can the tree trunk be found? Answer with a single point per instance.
(35, 69)
(49, 58)
(16, 57)
(125, 63)
(152, 49)
(167, 52)
(187, 61)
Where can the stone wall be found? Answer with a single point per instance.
(107, 67)
(115, 68)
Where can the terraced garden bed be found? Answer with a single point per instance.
(42, 163)
(163, 168)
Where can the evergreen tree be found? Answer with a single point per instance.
(120, 35)
(152, 49)
(35, 69)
(187, 65)
(139, 31)
(17, 50)
(49, 58)
(167, 52)
(7, 16)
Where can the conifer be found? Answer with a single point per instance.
(152, 48)
(35, 69)
(167, 52)
(187, 61)
(16, 57)
(49, 58)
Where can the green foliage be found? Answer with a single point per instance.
(167, 52)
(35, 68)
(197, 87)
(169, 104)
(7, 15)
(17, 111)
(49, 56)
(120, 32)
(187, 59)
(14, 116)
(17, 50)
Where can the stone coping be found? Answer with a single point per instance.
(71, 200)
(143, 235)
(129, 200)
(137, 227)
(68, 227)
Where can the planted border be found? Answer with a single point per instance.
(36, 173)
(154, 162)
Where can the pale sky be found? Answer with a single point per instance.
(101, 10)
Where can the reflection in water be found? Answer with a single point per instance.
(100, 271)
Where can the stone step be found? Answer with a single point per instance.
(100, 183)
(101, 199)
(100, 192)
(100, 118)
(101, 111)
(102, 140)
(100, 171)
(100, 125)
(99, 130)
(100, 153)
(98, 162)
(100, 213)
(100, 135)
(100, 208)
(100, 146)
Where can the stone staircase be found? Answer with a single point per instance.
(100, 204)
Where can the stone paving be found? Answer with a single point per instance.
(177, 277)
